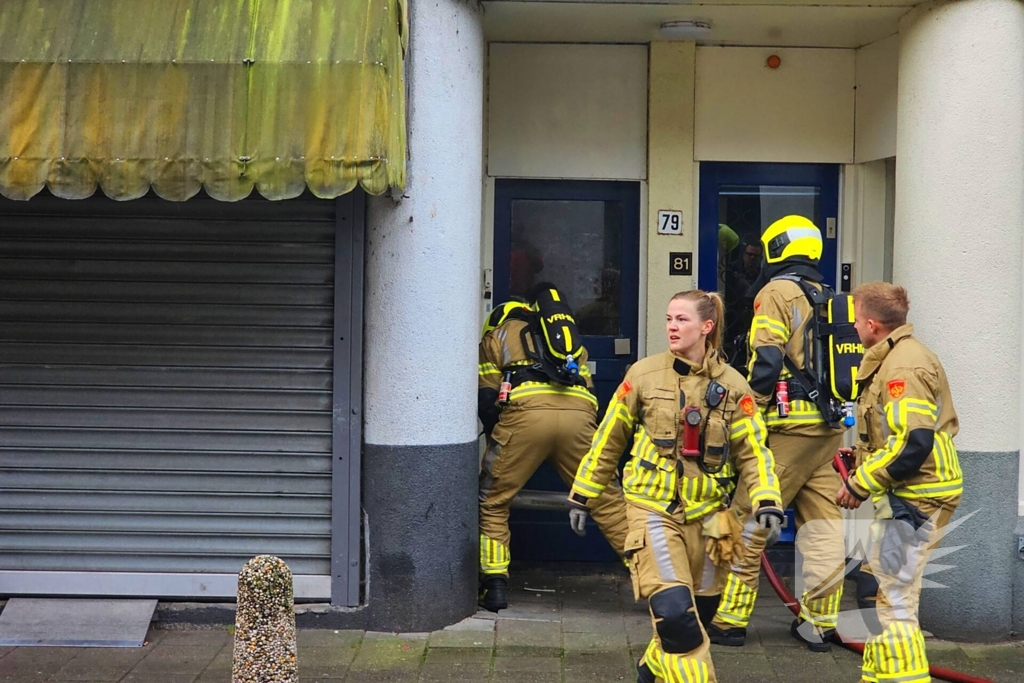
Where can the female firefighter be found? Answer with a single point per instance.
(694, 425)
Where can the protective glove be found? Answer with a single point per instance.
(770, 517)
(723, 538)
(578, 520)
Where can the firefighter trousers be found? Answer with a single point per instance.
(669, 566)
(898, 557)
(522, 440)
(808, 483)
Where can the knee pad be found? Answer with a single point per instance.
(867, 590)
(676, 621)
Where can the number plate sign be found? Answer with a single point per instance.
(670, 222)
(680, 263)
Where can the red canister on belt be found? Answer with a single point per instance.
(691, 432)
(782, 397)
(505, 389)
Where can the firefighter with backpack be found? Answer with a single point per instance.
(536, 403)
(804, 353)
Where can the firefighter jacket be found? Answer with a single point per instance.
(779, 328)
(648, 407)
(502, 350)
(906, 424)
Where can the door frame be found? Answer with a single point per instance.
(717, 173)
(627, 192)
(555, 535)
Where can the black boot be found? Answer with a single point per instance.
(644, 673)
(807, 633)
(494, 593)
(729, 637)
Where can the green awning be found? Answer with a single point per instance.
(179, 95)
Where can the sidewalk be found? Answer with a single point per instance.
(559, 629)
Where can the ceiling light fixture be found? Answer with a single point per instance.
(685, 30)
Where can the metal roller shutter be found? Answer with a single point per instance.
(165, 392)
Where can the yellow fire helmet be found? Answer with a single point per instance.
(791, 236)
(501, 313)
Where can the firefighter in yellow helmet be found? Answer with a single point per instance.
(695, 427)
(538, 420)
(802, 442)
(908, 464)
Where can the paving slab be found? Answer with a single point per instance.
(528, 664)
(523, 637)
(463, 639)
(561, 637)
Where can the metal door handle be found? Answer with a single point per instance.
(622, 347)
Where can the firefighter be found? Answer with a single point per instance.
(908, 465)
(542, 420)
(802, 442)
(695, 426)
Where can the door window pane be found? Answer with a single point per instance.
(744, 211)
(575, 245)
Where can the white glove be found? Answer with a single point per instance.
(771, 520)
(578, 521)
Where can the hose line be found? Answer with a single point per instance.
(791, 602)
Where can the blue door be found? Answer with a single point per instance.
(737, 202)
(583, 236)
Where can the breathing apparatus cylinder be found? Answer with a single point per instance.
(572, 366)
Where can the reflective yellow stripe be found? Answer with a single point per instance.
(543, 389)
(801, 411)
(737, 602)
(616, 411)
(776, 327)
(896, 416)
(754, 430)
(494, 556)
(488, 369)
(928, 490)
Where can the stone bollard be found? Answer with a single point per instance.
(265, 624)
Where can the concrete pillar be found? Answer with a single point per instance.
(423, 283)
(959, 219)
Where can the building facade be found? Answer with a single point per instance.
(587, 143)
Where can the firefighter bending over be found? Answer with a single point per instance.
(536, 403)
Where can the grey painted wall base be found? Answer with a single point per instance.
(421, 503)
(978, 603)
(1018, 583)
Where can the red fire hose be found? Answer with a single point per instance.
(791, 602)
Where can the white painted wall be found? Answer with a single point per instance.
(877, 77)
(567, 111)
(960, 205)
(801, 112)
(423, 254)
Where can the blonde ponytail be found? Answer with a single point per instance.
(709, 307)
